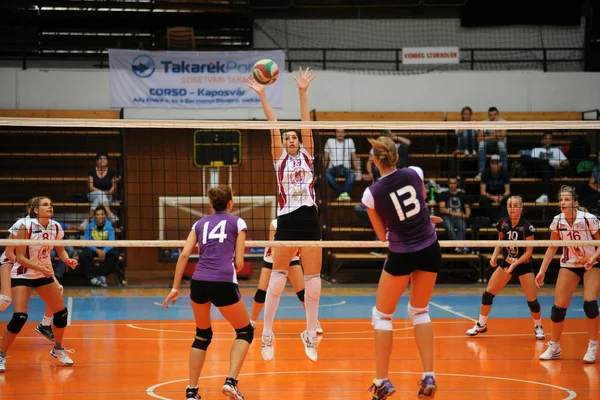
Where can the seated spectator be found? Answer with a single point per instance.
(339, 151)
(589, 193)
(492, 141)
(402, 147)
(494, 190)
(455, 208)
(467, 138)
(99, 229)
(542, 164)
(578, 157)
(102, 182)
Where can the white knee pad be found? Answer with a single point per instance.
(381, 321)
(277, 283)
(418, 316)
(312, 287)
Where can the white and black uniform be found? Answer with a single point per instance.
(298, 218)
(13, 230)
(23, 276)
(584, 227)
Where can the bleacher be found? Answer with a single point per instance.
(54, 162)
(434, 152)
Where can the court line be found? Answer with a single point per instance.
(341, 303)
(284, 322)
(451, 311)
(228, 338)
(70, 308)
(133, 326)
(571, 393)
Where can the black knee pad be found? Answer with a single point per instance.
(534, 306)
(260, 296)
(487, 299)
(591, 309)
(558, 314)
(300, 295)
(17, 322)
(203, 338)
(61, 318)
(246, 333)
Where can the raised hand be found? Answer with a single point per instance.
(305, 78)
(252, 84)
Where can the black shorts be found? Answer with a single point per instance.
(301, 224)
(32, 283)
(269, 265)
(521, 269)
(221, 294)
(428, 259)
(579, 271)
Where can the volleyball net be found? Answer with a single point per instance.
(164, 168)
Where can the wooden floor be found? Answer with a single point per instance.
(148, 359)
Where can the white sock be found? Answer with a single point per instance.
(432, 374)
(593, 341)
(312, 287)
(537, 322)
(46, 321)
(274, 291)
(482, 320)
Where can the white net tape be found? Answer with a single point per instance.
(262, 125)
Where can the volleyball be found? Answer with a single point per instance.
(265, 71)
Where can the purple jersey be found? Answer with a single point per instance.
(217, 235)
(398, 198)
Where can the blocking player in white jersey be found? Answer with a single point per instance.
(298, 219)
(576, 262)
(295, 275)
(33, 270)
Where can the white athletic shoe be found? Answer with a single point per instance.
(310, 346)
(539, 332)
(319, 328)
(4, 302)
(477, 329)
(592, 352)
(2, 364)
(62, 356)
(553, 351)
(267, 350)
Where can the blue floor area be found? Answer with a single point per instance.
(331, 307)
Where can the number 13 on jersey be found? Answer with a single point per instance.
(411, 199)
(218, 232)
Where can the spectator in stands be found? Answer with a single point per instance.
(99, 229)
(402, 147)
(494, 189)
(578, 157)
(339, 153)
(455, 208)
(589, 193)
(492, 141)
(543, 162)
(102, 183)
(467, 138)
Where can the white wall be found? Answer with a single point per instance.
(331, 91)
